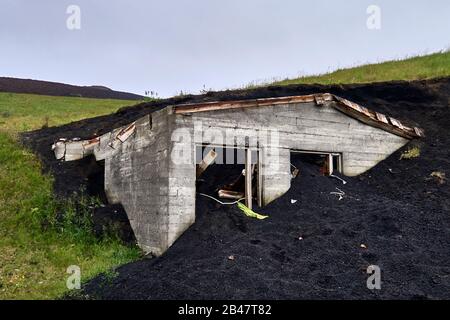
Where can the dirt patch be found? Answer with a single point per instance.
(61, 89)
(310, 248)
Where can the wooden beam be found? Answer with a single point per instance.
(373, 122)
(222, 105)
(207, 160)
(259, 183)
(248, 178)
(228, 194)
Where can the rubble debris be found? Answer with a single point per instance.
(438, 176)
(295, 172)
(77, 149)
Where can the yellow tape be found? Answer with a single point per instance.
(250, 213)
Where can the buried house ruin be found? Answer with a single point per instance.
(151, 169)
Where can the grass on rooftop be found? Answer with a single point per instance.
(415, 68)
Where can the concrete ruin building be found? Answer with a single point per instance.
(150, 165)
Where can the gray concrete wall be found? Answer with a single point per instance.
(182, 179)
(276, 179)
(137, 176)
(156, 191)
(307, 127)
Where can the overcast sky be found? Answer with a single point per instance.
(168, 46)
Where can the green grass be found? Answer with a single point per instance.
(35, 247)
(411, 153)
(420, 67)
(23, 112)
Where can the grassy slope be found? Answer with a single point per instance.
(33, 260)
(422, 67)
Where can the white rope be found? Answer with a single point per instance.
(217, 200)
(340, 193)
(336, 177)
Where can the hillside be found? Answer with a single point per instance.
(416, 68)
(60, 89)
(398, 210)
(36, 246)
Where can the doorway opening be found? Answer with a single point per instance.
(228, 174)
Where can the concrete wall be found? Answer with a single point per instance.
(157, 193)
(276, 179)
(308, 127)
(182, 179)
(137, 176)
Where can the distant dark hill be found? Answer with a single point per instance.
(60, 89)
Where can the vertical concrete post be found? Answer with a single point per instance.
(248, 178)
(182, 177)
(276, 173)
(330, 164)
(259, 183)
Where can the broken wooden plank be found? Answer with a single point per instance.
(381, 117)
(419, 132)
(125, 133)
(222, 105)
(228, 194)
(396, 123)
(319, 99)
(207, 160)
(366, 112)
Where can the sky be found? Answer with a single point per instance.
(189, 45)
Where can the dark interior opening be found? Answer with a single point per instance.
(95, 179)
(225, 176)
(224, 173)
(221, 176)
(227, 156)
(336, 163)
(106, 218)
(312, 160)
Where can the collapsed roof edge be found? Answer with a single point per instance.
(349, 108)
